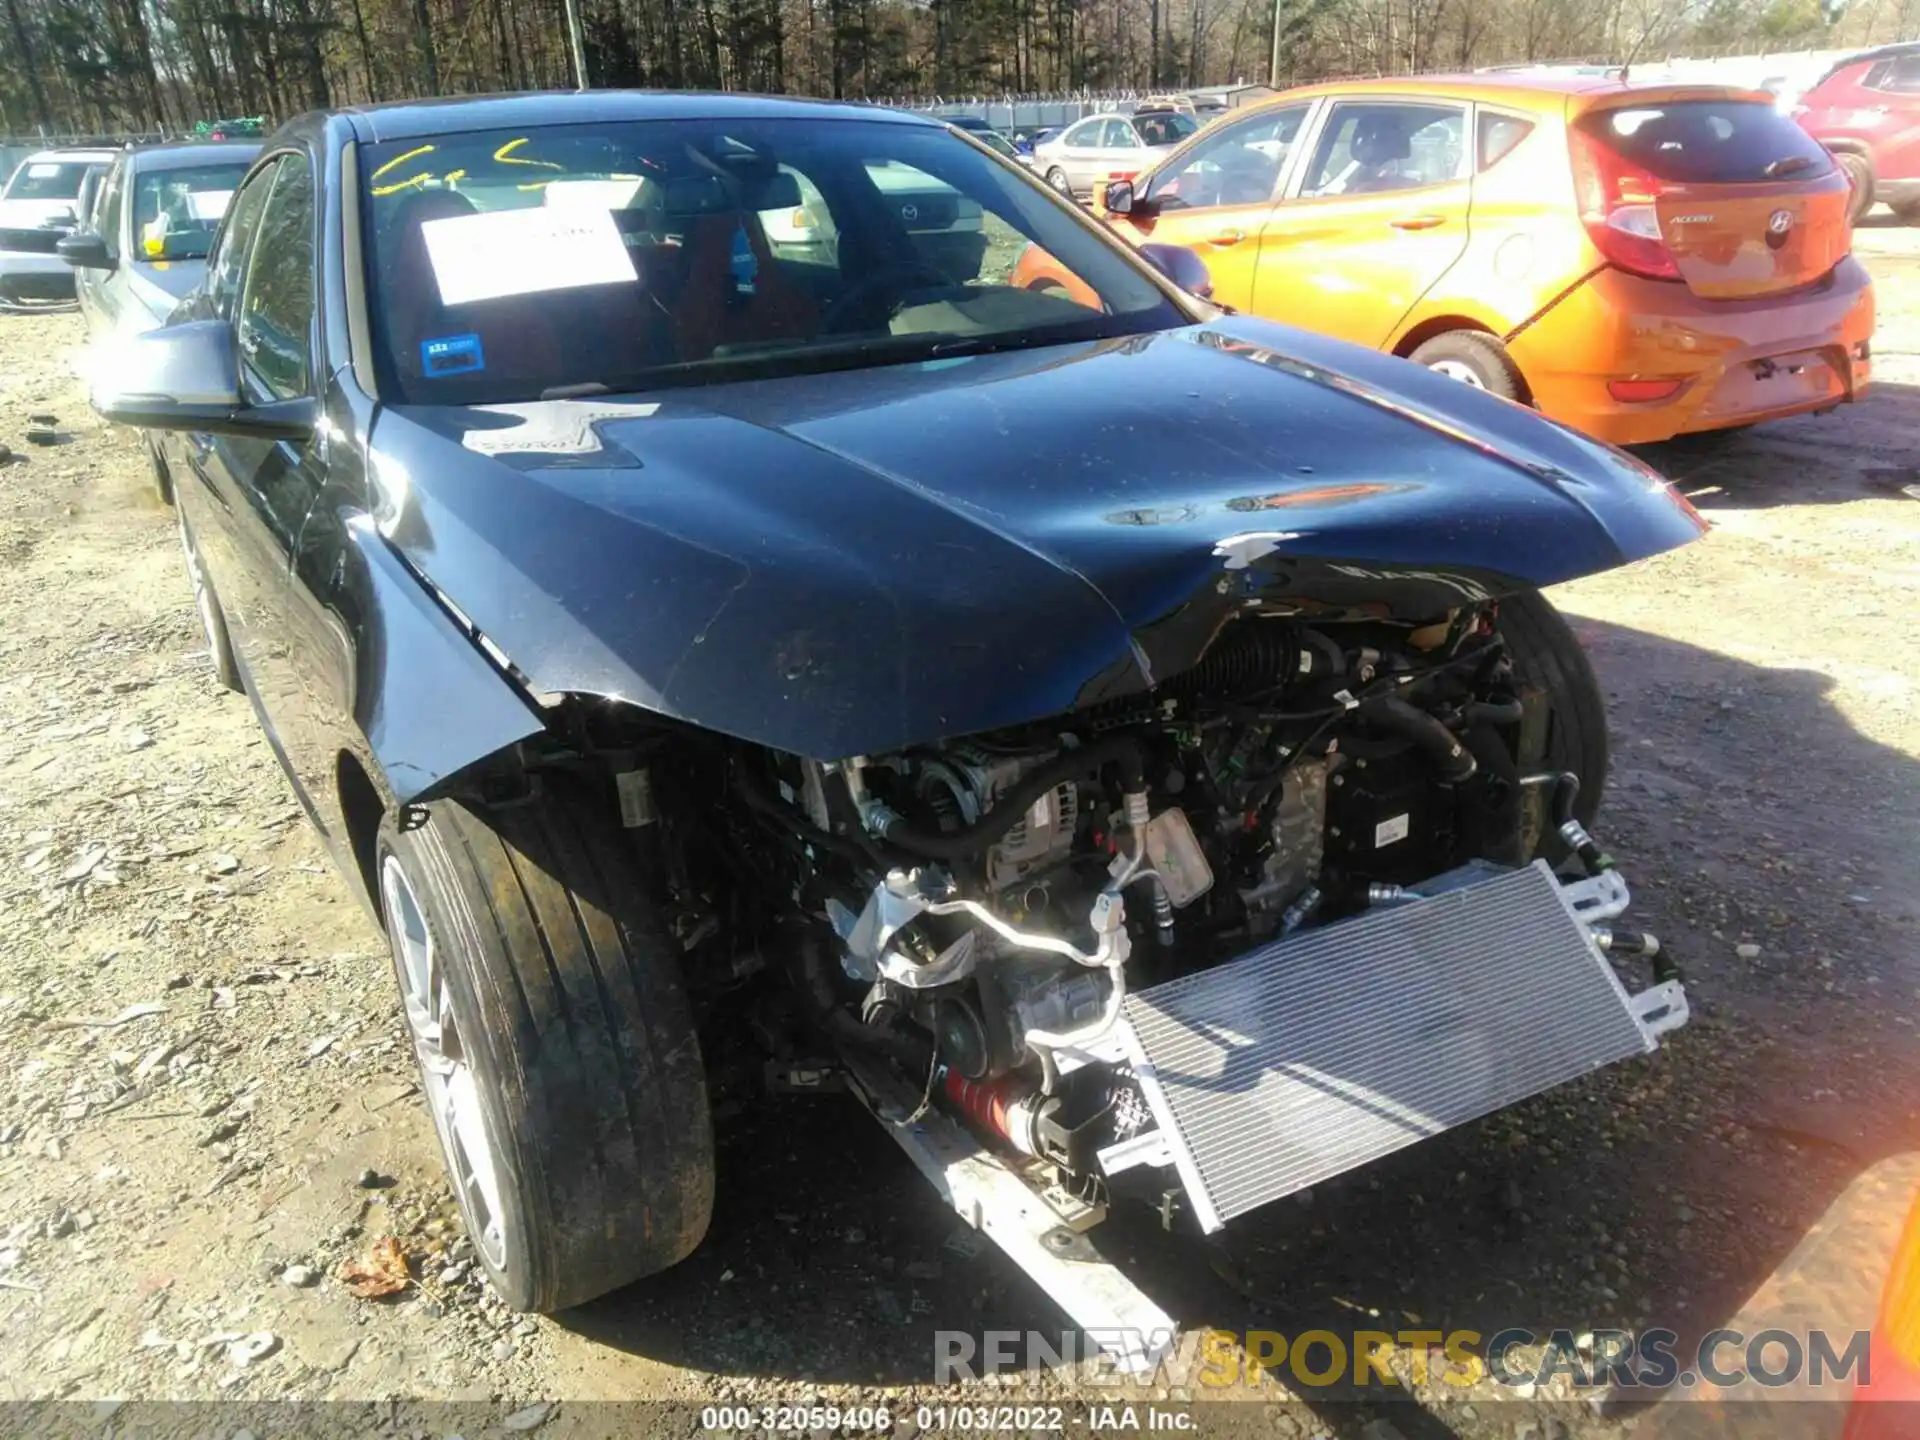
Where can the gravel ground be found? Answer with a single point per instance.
(206, 1104)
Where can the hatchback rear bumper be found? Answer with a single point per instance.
(1736, 361)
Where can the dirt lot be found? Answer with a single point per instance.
(206, 1103)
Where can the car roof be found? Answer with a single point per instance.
(72, 157)
(1877, 53)
(183, 154)
(1532, 90)
(414, 119)
(1885, 52)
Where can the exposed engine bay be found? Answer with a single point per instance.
(982, 909)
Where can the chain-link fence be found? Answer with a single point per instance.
(1023, 114)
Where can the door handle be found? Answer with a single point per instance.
(1418, 222)
(1227, 237)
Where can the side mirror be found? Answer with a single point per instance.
(1118, 198)
(1182, 266)
(86, 251)
(187, 377)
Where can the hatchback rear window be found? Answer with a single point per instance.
(1725, 141)
(46, 180)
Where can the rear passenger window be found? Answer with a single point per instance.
(1498, 136)
(1900, 75)
(1711, 141)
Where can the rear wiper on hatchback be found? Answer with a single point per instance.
(1786, 165)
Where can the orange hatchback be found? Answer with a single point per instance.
(1638, 261)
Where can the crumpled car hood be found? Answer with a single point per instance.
(854, 562)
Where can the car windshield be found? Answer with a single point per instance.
(518, 265)
(176, 212)
(47, 180)
(996, 142)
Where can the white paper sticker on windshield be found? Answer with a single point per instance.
(208, 204)
(44, 170)
(524, 252)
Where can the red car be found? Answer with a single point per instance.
(1866, 110)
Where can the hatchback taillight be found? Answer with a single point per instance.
(1616, 203)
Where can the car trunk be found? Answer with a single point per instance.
(1739, 201)
(1736, 241)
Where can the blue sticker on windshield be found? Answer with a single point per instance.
(451, 355)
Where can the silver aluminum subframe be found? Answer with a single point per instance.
(992, 1197)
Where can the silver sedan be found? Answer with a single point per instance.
(1104, 146)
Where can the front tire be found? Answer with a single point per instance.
(1057, 178)
(1474, 358)
(556, 1046)
(1548, 658)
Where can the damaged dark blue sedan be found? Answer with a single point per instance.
(685, 581)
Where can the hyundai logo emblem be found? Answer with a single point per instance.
(911, 213)
(1779, 222)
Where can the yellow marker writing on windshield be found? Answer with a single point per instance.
(506, 156)
(401, 160)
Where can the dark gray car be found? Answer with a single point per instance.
(153, 223)
(666, 631)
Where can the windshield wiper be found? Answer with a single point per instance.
(990, 344)
(1786, 165)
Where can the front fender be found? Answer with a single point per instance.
(429, 701)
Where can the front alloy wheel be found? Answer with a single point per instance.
(446, 1074)
(557, 1050)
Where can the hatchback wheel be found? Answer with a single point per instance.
(1473, 358)
(556, 1047)
(1057, 178)
(213, 620)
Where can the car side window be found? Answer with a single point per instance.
(1498, 135)
(228, 267)
(1087, 132)
(1898, 76)
(1238, 164)
(1374, 147)
(1119, 136)
(276, 307)
(108, 208)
